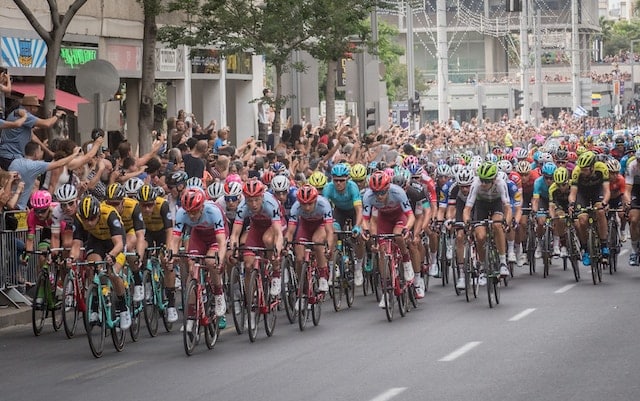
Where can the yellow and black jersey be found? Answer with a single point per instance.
(131, 215)
(160, 218)
(558, 195)
(109, 224)
(598, 176)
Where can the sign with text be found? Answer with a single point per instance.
(74, 57)
(205, 61)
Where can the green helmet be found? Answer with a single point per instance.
(487, 171)
(561, 175)
(587, 159)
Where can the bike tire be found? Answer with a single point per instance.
(531, 250)
(303, 297)
(190, 334)
(386, 285)
(613, 249)
(163, 296)
(316, 307)
(39, 311)
(349, 280)
(496, 290)
(237, 297)
(211, 330)
(150, 309)
(253, 308)
(135, 308)
(335, 289)
(594, 259)
(443, 262)
(468, 272)
(401, 298)
(455, 274)
(270, 317)
(57, 309)
(118, 336)
(574, 250)
(289, 288)
(70, 305)
(96, 331)
(546, 253)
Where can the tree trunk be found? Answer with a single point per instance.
(145, 116)
(278, 102)
(330, 95)
(49, 101)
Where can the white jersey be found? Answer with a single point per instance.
(498, 190)
(633, 171)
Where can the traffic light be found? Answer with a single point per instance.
(518, 99)
(371, 120)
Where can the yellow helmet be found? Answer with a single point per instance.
(318, 179)
(358, 172)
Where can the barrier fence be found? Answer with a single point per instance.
(14, 276)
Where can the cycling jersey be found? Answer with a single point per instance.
(60, 219)
(268, 214)
(131, 215)
(229, 214)
(497, 191)
(541, 189)
(109, 224)
(210, 220)
(418, 195)
(442, 192)
(598, 176)
(33, 221)
(559, 196)
(616, 185)
(345, 200)
(321, 213)
(291, 199)
(160, 218)
(397, 201)
(515, 194)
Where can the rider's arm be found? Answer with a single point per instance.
(606, 192)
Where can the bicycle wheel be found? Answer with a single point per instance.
(386, 287)
(270, 316)
(468, 272)
(455, 274)
(39, 307)
(211, 329)
(335, 290)
(443, 263)
(56, 307)
(367, 284)
(531, 249)
(150, 309)
(496, 290)
(574, 252)
(316, 306)
(492, 275)
(238, 308)
(289, 288)
(303, 298)
(546, 251)
(191, 317)
(118, 335)
(593, 246)
(135, 308)
(375, 276)
(163, 294)
(253, 308)
(70, 305)
(95, 321)
(348, 281)
(613, 249)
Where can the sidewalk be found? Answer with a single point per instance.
(11, 316)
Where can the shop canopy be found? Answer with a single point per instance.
(64, 99)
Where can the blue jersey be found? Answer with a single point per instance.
(623, 163)
(442, 193)
(291, 199)
(515, 194)
(345, 200)
(541, 189)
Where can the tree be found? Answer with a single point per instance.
(273, 28)
(151, 8)
(53, 39)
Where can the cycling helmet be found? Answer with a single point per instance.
(373, 166)
(431, 168)
(253, 188)
(41, 199)
(561, 175)
(159, 191)
(192, 199)
(215, 190)
(505, 166)
(379, 181)
(307, 194)
(562, 154)
(389, 171)
(580, 150)
(401, 178)
(115, 192)
(280, 183)
(318, 179)
(491, 157)
(466, 157)
(278, 168)
(415, 169)
(613, 165)
(548, 169)
(522, 154)
(147, 193)
(358, 172)
(487, 171)
(195, 182)
(66, 193)
(465, 177)
(523, 167)
(502, 176)
(381, 165)
(233, 188)
(132, 185)
(233, 178)
(89, 207)
(507, 156)
(587, 159)
(340, 170)
(409, 160)
(455, 169)
(443, 170)
(176, 178)
(474, 165)
(545, 157)
(572, 156)
(267, 176)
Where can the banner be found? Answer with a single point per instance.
(24, 53)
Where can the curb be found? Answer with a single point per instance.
(13, 317)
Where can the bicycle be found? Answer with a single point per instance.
(289, 285)
(445, 252)
(492, 263)
(530, 241)
(74, 286)
(344, 270)
(573, 248)
(615, 245)
(236, 293)
(593, 244)
(198, 305)
(472, 274)
(101, 312)
(259, 301)
(308, 294)
(392, 280)
(155, 303)
(371, 274)
(547, 244)
(48, 299)
(135, 307)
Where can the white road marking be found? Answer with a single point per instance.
(460, 351)
(522, 314)
(564, 289)
(389, 394)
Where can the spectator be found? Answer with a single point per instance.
(194, 162)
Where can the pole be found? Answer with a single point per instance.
(525, 114)
(443, 60)
(575, 56)
(411, 84)
(295, 84)
(362, 105)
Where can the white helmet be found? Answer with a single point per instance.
(545, 157)
(501, 176)
(233, 188)
(523, 167)
(195, 182)
(280, 183)
(215, 190)
(505, 166)
(465, 176)
(132, 186)
(522, 154)
(66, 193)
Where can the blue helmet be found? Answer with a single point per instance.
(340, 170)
(548, 169)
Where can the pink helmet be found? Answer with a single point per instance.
(41, 199)
(389, 172)
(233, 178)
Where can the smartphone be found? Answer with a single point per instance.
(259, 143)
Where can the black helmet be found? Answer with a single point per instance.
(89, 207)
(176, 178)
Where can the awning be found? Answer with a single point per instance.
(64, 99)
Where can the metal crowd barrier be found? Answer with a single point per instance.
(15, 277)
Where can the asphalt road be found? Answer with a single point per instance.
(549, 339)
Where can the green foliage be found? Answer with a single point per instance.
(617, 35)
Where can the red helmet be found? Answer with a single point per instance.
(192, 199)
(253, 188)
(267, 176)
(379, 181)
(572, 157)
(307, 194)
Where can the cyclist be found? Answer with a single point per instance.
(215, 191)
(230, 201)
(443, 182)
(617, 188)
(540, 204)
(64, 211)
(358, 174)
(285, 193)
(131, 216)
(312, 220)
(558, 206)
(632, 192)
(264, 228)
(98, 227)
(159, 227)
(528, 178)
(489, 199)
(345, 196)
(455, 206)
(394, 216)
(202, 223)
(418, 196)
(590, 186)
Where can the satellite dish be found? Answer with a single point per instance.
(97, 77)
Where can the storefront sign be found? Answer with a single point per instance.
(24, 53)
(124, 57)
(205, 61)
(167, 60)
(74, 57)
